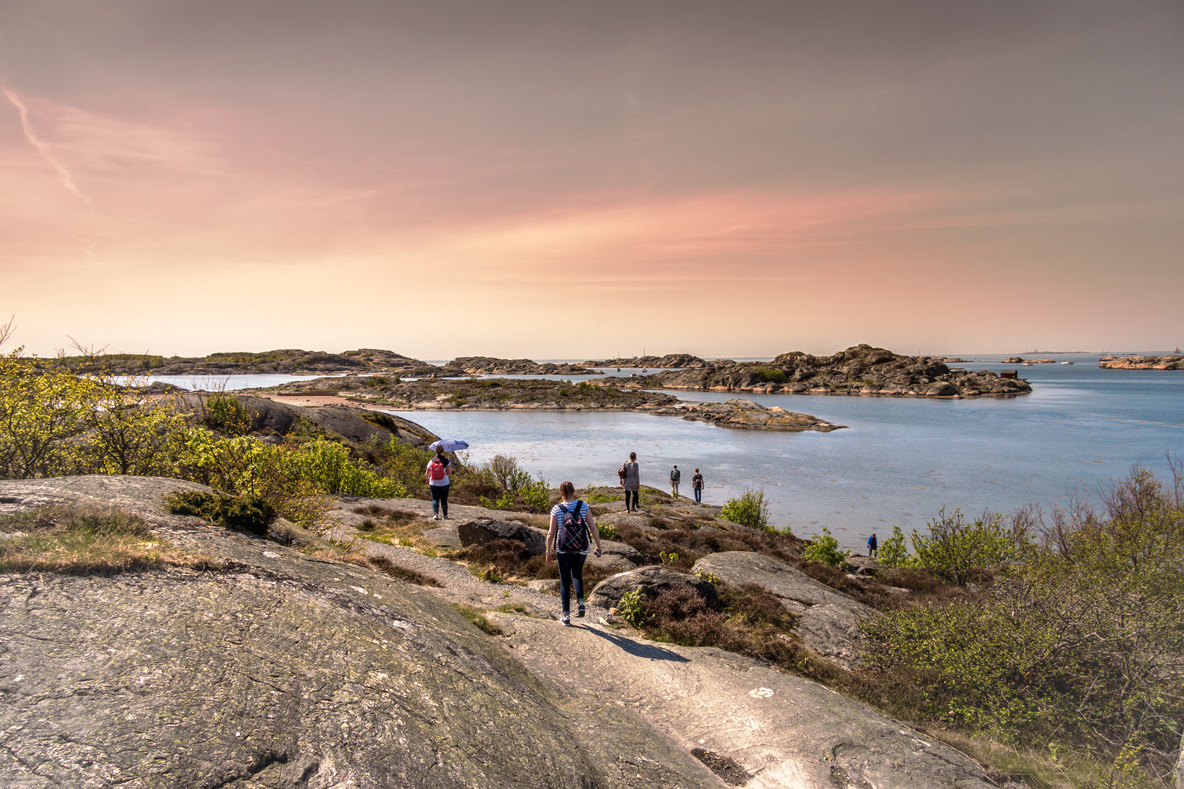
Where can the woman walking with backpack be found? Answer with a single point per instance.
(437, 472)
(567, 538)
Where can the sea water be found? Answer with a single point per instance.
(899, 461)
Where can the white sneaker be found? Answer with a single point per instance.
(435, 516)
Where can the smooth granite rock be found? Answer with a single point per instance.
(651, 581)
(830, 619)
(267, 667)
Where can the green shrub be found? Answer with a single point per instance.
(750, 509)
(504, 503)
(327, 465)
(894, 551)
(961, 551)
(243, 513)
(1077, 645)
(507, 473)
(43, 415)
(607, 531)
(824, 549)
(632, 608)
(407, 465)
(770, 375)
(536, 496)
(601, 496)
(225, 414)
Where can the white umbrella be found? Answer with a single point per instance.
(448, 444)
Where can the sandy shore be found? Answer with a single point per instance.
(310, 400)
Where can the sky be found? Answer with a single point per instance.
(580, 180)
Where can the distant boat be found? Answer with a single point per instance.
(1066, 362)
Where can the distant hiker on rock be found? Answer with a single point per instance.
(873, 545)
(697, 486)
(437, 472)
(630, 474)
(567, 538)
(675, 478)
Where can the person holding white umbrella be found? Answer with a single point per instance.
(437, 472)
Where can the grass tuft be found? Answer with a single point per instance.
(84, 540)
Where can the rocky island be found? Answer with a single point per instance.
(485, 365)
(670, 360)
(502, 394)
(1141, 362)
(285, 361)
(859, 370)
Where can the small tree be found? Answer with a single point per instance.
(894, 551)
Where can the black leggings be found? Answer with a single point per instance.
(571, 568)
(629, 493)
(440, 498)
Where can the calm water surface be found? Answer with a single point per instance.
(898, 462)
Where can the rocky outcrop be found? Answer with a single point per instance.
(355, 425)
(650, 581)
(480, 531)
(829, 619)
(860, 370)
(494, 394)
(616, 556)
(273, 668)
(602, 394)
(1142, 362)
(1022, 360)
(670, 360)
(748, 415)
(290, 361)
(485, 365)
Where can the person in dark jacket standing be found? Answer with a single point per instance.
(697, 486)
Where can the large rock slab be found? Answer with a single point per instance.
(479, 531)
(617, 556)
(651, 581)
(782, 730)
(271, 668)
(829, 619)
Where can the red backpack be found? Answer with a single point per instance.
(437, 470)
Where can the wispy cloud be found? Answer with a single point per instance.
(43, 148)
